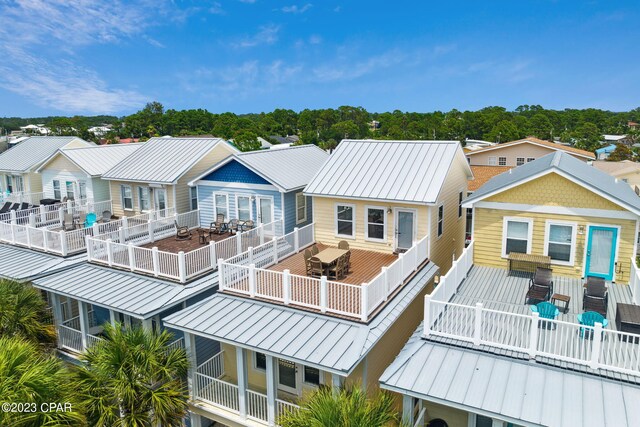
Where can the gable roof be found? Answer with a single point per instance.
(566, 165)
(95, 161)
(30, 153)
(482, 174)
(164, 160)
(24, 264)
(404, 171)
(617, 168)
(540, 142)
(287, 168)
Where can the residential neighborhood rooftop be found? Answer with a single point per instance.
(483, 173)
(23, 264)
(31, 152)
(95, 161)
(536, 141)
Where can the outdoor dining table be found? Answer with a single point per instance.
(329, 256)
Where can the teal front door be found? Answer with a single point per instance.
(601, 252)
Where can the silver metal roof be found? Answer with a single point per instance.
(327, 342)
(287, 168)
(97, 160)
(31, 152)
(508, 389)
(164, 160)
(24, 264)
(577, 170)
(137, 295)
(408, 171)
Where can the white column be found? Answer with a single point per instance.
(196, 420)
(241, 363)
(112, 317)
(407, 410)
(272, 389)
(57, 312)
(190, 348)
(147, 324)
(337, 382)
(83, 309)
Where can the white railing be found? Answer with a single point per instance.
(216, 392)
(53, 215)
(213, 367)
(22, 197)
(256, 405)
(92, 340)
(282, 407)
(70, 338)
(634, 281)
(247, 274)
(175, 345)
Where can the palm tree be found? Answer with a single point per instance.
(29, 376)
(23, 312)
(131, 378)
(346, 407)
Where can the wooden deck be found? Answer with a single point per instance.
(365, 265)
(170, 244)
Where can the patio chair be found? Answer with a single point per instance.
(92, 218)
(182, 232)
(106, 216)
(5, 208)
(336, 271)
(343, 244)
(14, 207)
(540, 286)
(247, 225)
(307, 257)
(24, 206)
(82, 219)
(314, 250)
(545, 310)
(218, 226)
(67, 223)
(315, 267)
(347, 262)
(233, 226)
(595, 296)
(590, 318)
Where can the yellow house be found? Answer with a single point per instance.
(156, 176)
(583, 219)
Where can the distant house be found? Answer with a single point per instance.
(516, 153)
(476, 144)
(291, 139)
(604, 152)
(615, 139)
(626, 170)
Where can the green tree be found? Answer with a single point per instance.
(346, 129)
(345, 408)
(622, 152)
(132, 379)
(246, 141)
(35, 378)
(587, 137)
(502, 132)
(541, 126)
(23, 312)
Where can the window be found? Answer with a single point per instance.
(492, 161)
(69, 189)
(19, 184)
(56, 190)
(9, 184)
(482, 421)
(301, 207)
(375, 223)
(344, 220)
(559, 242)
(126, 197)
(82, 190)
(194, 198)
(260, 361)
(144, 199)
(520, 161)
(311, 375)
(460, 196)
(517, 235)
(440, 220)
(221, 205)
(530, 159)
(502, 161)
(243, 207)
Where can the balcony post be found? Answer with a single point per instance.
(125, 223)
(250, 250)
(364, 302)
(121, 237)
(132, 254)
(43, 214)
(154, 257)
(45, 240)
(190, 348)
(401, 262)
(286, 286)
(533, 335)
(296, 239)
(241, 363)
(147, 324)
(261, 233)
(252, 280)
(337, 382)
(239, 242)
(109, 253)
(32, 220)
(61, 214)
(272, 389)
(87, 244)
(387, 285)
(597, 344)
(477, 332)
(221, 278)
(28, 233)
(427, 315)
(151, 231)
(407, 410)
(182, 270)
(69, 206)
(275, 250)
(13, 233)
(323, 294)
(63, 243)
(112, 317)
(95, 229)
(57, 314)
(212, 254)
(84, 323)
(12, 213)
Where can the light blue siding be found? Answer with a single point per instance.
(206, 199)
(290, 211)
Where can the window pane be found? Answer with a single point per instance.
(514, 245)
(244, 209)
(311, 375)
(560, 252)
(375, 216)
(261, 361)
(345, 212)
(518, 230)
(560, 233)
(345, 227)
(376, 231)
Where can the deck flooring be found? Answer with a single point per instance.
(172, 245)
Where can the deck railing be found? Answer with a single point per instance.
(528, 335)
(22, 197)
(70, 338)
(247, 274)
(634, 281)
(119, 248)
(53, 215)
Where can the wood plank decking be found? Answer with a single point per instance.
(170, 244)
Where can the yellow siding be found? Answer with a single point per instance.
(33, 182)
(324, 218)
(116, 199)
(78, 143)
(61, 163)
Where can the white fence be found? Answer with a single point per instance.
(634, 281)
(118, 247)
(53, 215)
(247, 274)
(22, 197)
(539, 338)
(70, 338)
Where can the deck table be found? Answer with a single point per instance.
(330, 255)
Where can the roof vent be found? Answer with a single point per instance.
(616, 180)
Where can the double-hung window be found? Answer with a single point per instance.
(492, 161)
(440, 220)
(519, 161)
(126, 197)
(144, 199)
(193, 192)
(376, 223)
(460, 197)
(260, 361)
(56, 190)
(311, 375)
(301, 207)
(221, 205)
(82, 190)
(69, 188)
(517, 235)
(345, 215)
(9, 180)
(560, 238)
(243, 207)
(502, 161)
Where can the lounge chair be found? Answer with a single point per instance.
(182, 232)
(343, 244)
(315, 267)
(347, 262)
(106, 216)
(5, 208)
(91, 219)
(247, 225)
(595, 296)
(540, 286)
(14, 207)
(336, 271)
(24, 206)
(307, 257)
(314, 250)
(68, 224)
(219, 226)
(82, 219)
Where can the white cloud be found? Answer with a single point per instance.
(349, 70)
(267, 34)
(216, 9)
(295, 9)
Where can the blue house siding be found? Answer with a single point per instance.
(290, 211)
(235, 172)
(206, 199)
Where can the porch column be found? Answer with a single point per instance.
(190, 348)
(196, 420)
(241, 363)
(272, 389)
(147, 324)
(57, 313)
(83, 311)
(112, 317)
(337, 382)
(407, 410)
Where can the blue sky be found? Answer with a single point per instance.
(94, 57)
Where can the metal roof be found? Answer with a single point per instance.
(327, 342)
(164, 160)
(563, 163)
(137, 295)
(24, 264)
(607, 149)
(286, 168)
(511, 390)
(536, 141)
(406, 171)
(31, 152)
(95, 160)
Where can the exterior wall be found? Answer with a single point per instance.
(452, 416)
(116, 200)
(512, 152)
(325, 223)
(290, 221)
(64, 170)
(33, 182)
(551, 190)
(79, 143)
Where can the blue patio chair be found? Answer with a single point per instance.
(545, 310)
(590, 318)
(91, 219)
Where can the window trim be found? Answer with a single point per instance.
(460, 201)
(215, 205)
(574, 234)
(300, 193)
(439, 233)
(248, 196)
(82, 183)
(192, 198)
(492, 161)
(505, 221)
(254, 365)
(73, 190)
(304, 377)
(500, 159)
(147, 189)
(366, 224)
(59, 190)
(518, 161)
(353, 221)
(122, 197)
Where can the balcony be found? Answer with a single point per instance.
(483, 308)
(275, 271)
(152, 248)
(22, 197)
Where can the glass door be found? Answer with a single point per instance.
(405, 229)
(265, 210)
(601, 252)
(288, 376)
(160, 198)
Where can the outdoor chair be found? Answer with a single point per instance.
(106, 216)
(314, 250)
(233, 226)
(590, 318)
(247, 225)
(24, 206)
(315, 267)
(5, 208)
(540, 286)
(347, 263)
(82, 219)
(67, 223)
(14, 207)
(545, 310)
(218, 226)
(343, 244)
(92, 218)
(202, 236)
(595, 296)
(336, 271)
(182, 232)
(307, 264)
